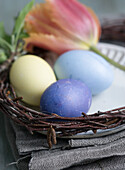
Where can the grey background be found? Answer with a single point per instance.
(8, 10)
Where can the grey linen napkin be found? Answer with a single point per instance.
(31, 151)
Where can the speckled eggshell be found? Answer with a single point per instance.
(86, 66)
(30, 76)
(67, 98)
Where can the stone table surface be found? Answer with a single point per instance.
(6, 156)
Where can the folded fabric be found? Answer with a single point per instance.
(31, 151)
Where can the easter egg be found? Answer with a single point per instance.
(30, 76)
(86, 66)
(67, 98)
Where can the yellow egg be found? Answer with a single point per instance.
(30, 76)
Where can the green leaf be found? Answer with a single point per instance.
(3, 56)
(20, 20)
(23, 35)
(12, 40)
(5, 44)
(2, 31)
(3, 34)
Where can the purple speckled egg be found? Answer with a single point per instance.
(67, 98)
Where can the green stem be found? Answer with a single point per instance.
(94, 49)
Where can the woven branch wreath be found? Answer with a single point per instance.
(34, 120)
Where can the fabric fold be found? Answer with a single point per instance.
(32, 152)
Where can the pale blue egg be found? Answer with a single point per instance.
(86, 66)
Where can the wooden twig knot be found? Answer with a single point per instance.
(51, 136)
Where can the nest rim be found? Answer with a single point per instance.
(6, 103)
(33, 120)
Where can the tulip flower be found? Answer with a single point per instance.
(63, 25)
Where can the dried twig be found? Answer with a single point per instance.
(38, 121)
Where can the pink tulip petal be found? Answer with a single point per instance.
(50, 42)
(74, 17)
(61, 25)
(38, 20)
(37, 23)
(97, 24)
